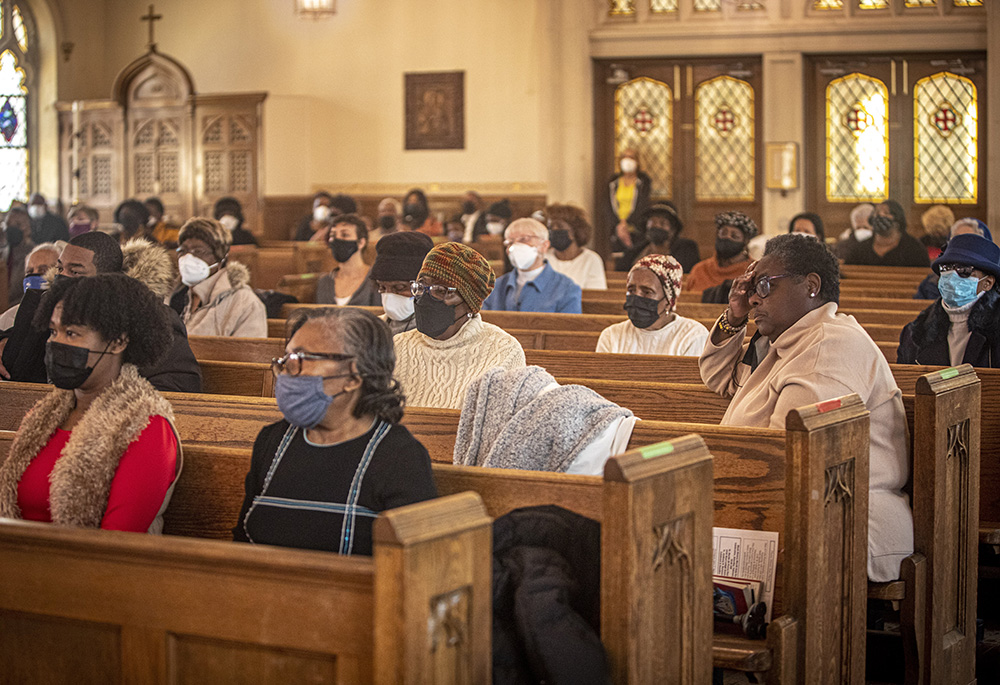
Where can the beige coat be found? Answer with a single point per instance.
(822, 356)
(229, 306)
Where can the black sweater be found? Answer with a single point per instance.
(909, 252)
(307, 499)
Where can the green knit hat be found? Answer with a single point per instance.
(458, 266)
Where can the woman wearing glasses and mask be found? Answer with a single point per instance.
(319, 477)
(805, 352)
(451, 346)
(215, 297)
(963, 326)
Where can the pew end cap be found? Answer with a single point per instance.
(430, 520)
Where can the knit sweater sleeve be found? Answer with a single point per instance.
(144, 474)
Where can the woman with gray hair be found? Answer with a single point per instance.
(319, 477)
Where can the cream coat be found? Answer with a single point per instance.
(822, 356)
(229, 306)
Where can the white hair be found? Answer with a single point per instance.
(971, 223)
(861, 213)
(56, 247)
(532, 226)
(390, 202)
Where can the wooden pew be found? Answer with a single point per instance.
(847, 305)
(102, 606)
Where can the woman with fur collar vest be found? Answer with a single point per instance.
(963, 325)
(215, 297)
(100, 450)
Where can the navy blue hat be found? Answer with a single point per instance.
(970, 249)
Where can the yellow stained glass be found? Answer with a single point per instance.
(1, 19)
(921, 3)
(873, 4)
(644, 122)
(20, 32)
(724, 140)
(620, 8)
(707, 5)
(749, 5)
(828, 5)
(968, 3)
(662, 6)
(857, 139)
(945, 141)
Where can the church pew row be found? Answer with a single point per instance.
(103, 606)
(613, 305)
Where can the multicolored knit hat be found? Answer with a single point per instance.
(208, 231)
(459, 266)
(737, 220)
(668, 270)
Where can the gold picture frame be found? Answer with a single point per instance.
(781, 166)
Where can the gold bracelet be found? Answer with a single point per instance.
(727, 327)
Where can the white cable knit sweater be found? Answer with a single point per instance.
(435, 373)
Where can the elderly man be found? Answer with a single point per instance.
(533, 285)
(389, 211)
(41, 258)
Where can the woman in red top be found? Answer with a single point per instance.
(100, 450)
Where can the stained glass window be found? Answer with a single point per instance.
(644, 111)
(857, 139)
(873, 4)
(662, 6)
(13, 131)
(968, 3)
(921, 3)
(828, 4)
(707, 5)
(945, 124)
(20, 32)
(621, 7)
(749, 5)
(724, 140)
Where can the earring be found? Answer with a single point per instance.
(812, 294)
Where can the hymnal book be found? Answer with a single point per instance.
(750, 555)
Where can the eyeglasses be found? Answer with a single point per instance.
(205, 255)
(438, 292)
(291, 363)
(403, 289)
(524, 240)
(963, 271)
(763, 285)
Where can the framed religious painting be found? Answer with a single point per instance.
(435, 110)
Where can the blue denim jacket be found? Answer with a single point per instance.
(550, 291)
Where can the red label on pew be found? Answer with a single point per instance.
(948, 373)
(829, 405)
(656, 450)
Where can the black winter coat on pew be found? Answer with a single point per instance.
(547, 598)
(925, 340)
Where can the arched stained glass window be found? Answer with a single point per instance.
(15, 107)
(644, 110)
(724, 140)
(619, 8)
(662, 6)
(857, 139)
(707, 5)
(873, 4)
(945, 141)
(828, 4)
(968, 3)
(20, 32)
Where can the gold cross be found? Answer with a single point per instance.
(151, 18)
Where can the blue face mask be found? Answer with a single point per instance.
(34, 283)
(301, 399)
(958, 291)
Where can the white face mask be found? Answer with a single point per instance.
(495, 227)
(229, 222)
(36, 211)
(628, 165)
(321, 213)
(522, 256)
(862, 234)
(193, 270)
(397, 307)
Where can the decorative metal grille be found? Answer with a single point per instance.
(99, 136)
(644, 122)
(144, 136)
(946, 150)
(145, 174)
(13, 131)
(102, 176)
(857, 139)
(707, 5)
(724, 140)
(921, 3)
(620, 8)
(239, 171)
(238, 132)
(168, 168)
(167, 136)
(83, 180)
(214, 179)
(828, 4)
(873, 4)
(662, 6)
(213, 134)
(968, 3)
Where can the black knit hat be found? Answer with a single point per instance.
(398, 256)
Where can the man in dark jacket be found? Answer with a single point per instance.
(46, 227)
(963, 325)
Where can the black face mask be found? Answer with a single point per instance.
(433, 316)
(387, 222)
(658, 236)
(66, 365)
(727, 249)
(882, 225)
(560, 239)
(343, 249)
(642, 311)
(468, 207)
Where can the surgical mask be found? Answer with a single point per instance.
(397, 307)
(958, 291)
(229, 222)
(79, 227)
(522, 256)
(642, 311)
(343, 249)
(321, 213)
(495, 227)
(468, 207)
(33, 283)
(36, 211)
(560, 239)
(658, 236)
(727, 249)
(193, 270)
(628, 165)
(387, 222)
(862, 234)
(302, 400)
(66, 365)
(434, 317)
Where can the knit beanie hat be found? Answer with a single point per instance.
(398, 256)
(210, 232)
(737, 220)
(459, 266)
(668, 270)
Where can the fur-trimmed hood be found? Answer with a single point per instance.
(931, 325)
(150, 264)
(237, 273)
(81, 478)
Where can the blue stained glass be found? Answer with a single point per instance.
(8, 121)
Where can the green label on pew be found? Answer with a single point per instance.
(656, 450)
(948, 373)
